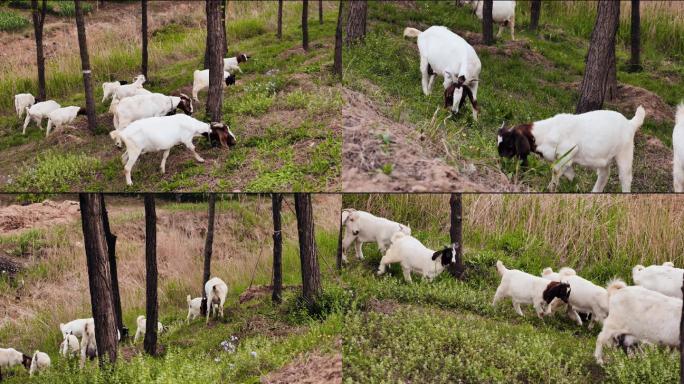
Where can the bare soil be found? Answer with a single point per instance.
(16, 218)
(311, 368)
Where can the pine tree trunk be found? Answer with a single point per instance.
(320, 11)
(99, 278)
(337, 64)
(150, 343)
(338, 257)
(311, 275)
(305, 25)
(280, 19)
(600, 67)
(224, 7)
(143, 65)
(635, 59)
(487, 22)
(206, 43)
(38, 21)
(535, 10)
(85, 66)
(111, 254)
(276, 204)
(611, 80)
(215, 36)
(456, 231)
(208, 249)
(356, 22)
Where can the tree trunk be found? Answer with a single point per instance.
(111, 253)
(356, 22)
(216, 37)
(337, 64)
(150, 343)
(311, 275)
(320, 11)
(143, 65)
(224, 6)
(338, 257)
(206, 44)
(99, 278)
(305, 24)
(280, 19)
(600, 67)
(535, 10)
(85, 66)
(611, 80)
(276, 204)
(208, 248)
(487, 22)
(456, 231)
(635, 60)
(38, 21)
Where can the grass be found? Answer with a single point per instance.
(11, 21)
(63, 8)
(55, 172)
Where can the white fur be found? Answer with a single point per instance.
(503, 13)
(10, 357)
(138, 107)
(585, 296)
(61, 117)
(194, 306)
(136, 92)
(123, 91)
(88, 342)
(23, 101)
(108, 89)
(216, 291)
(200, 82)
(142, 328)
(660, 278)
(522, 288)
(413, 257)
(678, 150)
(37, 112)
(39, 362)
(368, 228)
(230, 64)
(75, 327)
(69, 346)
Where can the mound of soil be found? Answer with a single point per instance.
(15, 218)
(629, 97)
(312, 368)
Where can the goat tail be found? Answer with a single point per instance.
(188, 299)
(501, 268)
(679, 115)
(638, 118)
(614, 286)
(139, 320)
(396, 236)
(668, 264)
(567, 271)
(115, 134)
(411, 32)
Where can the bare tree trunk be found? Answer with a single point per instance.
(224, 6)
(487, 22)
(99, 278)
(356, 22)
(143, 66)
(276, 204)
(456, 231)
(635, 59)
(215, 37)
(320, 11)
(38, 21)
(151, 317)
(85, 66)
(611, 80)
(600, 67)
(280, 19)
(305, 24)
(111, 253)
(311, 275)
(535, 10)
(208, 249)
(337, 64)
(338, 257)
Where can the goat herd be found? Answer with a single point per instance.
(215, 290)
(143, 121)
(648, 312)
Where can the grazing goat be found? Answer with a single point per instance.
(22, 101)
(678, 149)
(155, 134)
(88, 343)
(362, 227)
(231, 64)
(194, 306)
(200, 81)
(39, 362)
(660, 278)
(9, 357)
(142, 328)
(640, 315)
(109, 88)
(415, 257)
(139, 107)
(445, 53)
(503, 13)
(69, 346)
(524, 288)
(593, 139)
(62, 116)
(216, 291)
(585, 297)
(123, 91)
(77, 327)
(37, 112)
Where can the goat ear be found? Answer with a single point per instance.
(461, 80)
(522, 146)
(447, 74)
(436, 255)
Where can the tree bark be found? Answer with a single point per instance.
(535, 10)
(635, 59)
(99, 278)
(215, 36)
(208, 249)
(150, 343)
(305, 25)
(337, 64)
(38, 21)
(487, 22)
(224, 7)
(338, 256)
(206, 44)
(280, 19)
(599, 73)
(85, 66)
(311, 275)
(456, 231)
(111, 254)
(276, 204)
(320, 11)
(356, 22)
(143, 65)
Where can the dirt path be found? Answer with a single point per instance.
(312, 368)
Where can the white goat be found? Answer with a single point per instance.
(69, 346)
(593, 139)
(660, 278)
(678, 149)
(445, 53)
(415, 257)
(216, 291)
(39, 362)
(200, 81)
(142, 328)
(585, 297)
(109, 88)
(88, 343)
(640, 314)
(123, 91)
(524, 288)
(63, 116)
(136, 92)
(75, 327)
(37, 112)
(139, 107)
(503, 13)
(232, 64)
(362, 227)
(194, 306)
(22, 101)
(10, 357)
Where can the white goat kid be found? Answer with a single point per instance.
(503, 13)
(194, 306)
(665, 279)
(200, 82)
(62, 116)
(88, 343)
(39, 362)
(593, 139)
(232, 64)
(678, 149)
(123, 91)
(141, 322)
(109, 88)
(445, 53)
(415, 257)
(23, 101)
(216, 291)
(138, 107)
(37, 112)
(585, 297)
(69, 346)
(363, 227)
(10, 357)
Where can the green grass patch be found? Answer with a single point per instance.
(12, 21)
(55, 172)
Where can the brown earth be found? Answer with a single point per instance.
(16, 218)
(311, 368)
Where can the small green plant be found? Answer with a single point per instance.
(11, 21)
(245, 28)
(55, 172)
